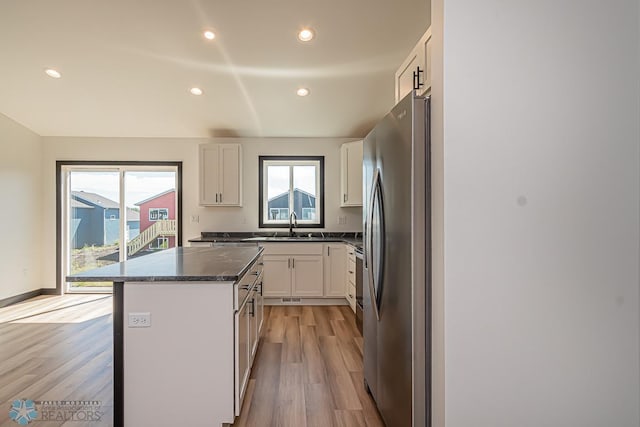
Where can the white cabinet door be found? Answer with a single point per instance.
(209, 174)
(259, 308)
(242, 355)
(277, 276)
(405, 79)
(425, 46)
(307, 276)
(253, 326)
(335, 268)
(220, 175)
(351, 296)
(230, 175)
(351, 174)
(420, 57)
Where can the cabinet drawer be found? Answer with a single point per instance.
(292, 248)
(351, 296)
(351, 272)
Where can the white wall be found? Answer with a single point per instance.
(541, 234)
(186, 150)
(20, 191)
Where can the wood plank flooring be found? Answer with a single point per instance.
(57, 348)
(307, 372)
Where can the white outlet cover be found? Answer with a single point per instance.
(139, 320)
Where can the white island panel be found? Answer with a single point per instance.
(179, 371)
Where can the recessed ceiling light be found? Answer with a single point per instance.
(303, 91)
(53, 73)
(196, 91)
(209, 35)
(306, 34)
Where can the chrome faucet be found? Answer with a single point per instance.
(293, 222)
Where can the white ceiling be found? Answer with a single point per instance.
(127, 66)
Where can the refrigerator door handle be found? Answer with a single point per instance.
(376, 271)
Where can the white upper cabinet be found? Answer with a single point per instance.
(351, 174)
(415, 71)
(220, 175)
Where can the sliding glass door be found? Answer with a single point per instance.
(150, 197)
(111, 213)
(93, 221)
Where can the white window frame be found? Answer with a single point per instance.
(265, 185)
(279, 211)
(308, 209)
(158, 210)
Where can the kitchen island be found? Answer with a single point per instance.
(186, 324)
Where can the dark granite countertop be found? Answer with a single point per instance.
(217, 264)
(352, 238)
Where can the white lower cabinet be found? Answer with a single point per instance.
(335, 270)
(351, 277)
(277, 276)
(253, 327)
(306, 273)
(298, 276)
(259, 313)
(293, 270)
(243, 365)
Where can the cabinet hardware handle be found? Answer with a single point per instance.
(220, 197)
(252, 311)
(293, 262)
(328, 251)
(416, 78)
(216, 197)
(344, 197)
(350, 272)
(288, 262)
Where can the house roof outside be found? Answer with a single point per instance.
(294, 190)
(172, 190)
(95, 199)
(77, 204)
(88, 200)
(133, 215)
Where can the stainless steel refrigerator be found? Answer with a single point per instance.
(397, 264)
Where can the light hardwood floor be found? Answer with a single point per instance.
(307, 372)
(57, 348)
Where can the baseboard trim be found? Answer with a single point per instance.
(19, 298)
(307, 301)
(25, 296)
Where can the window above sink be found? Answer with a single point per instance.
(291, 184)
